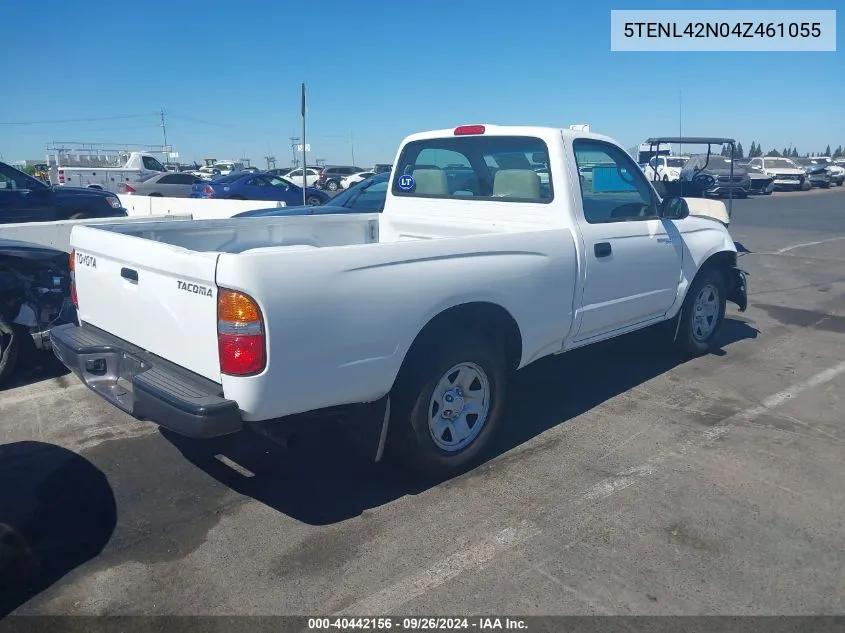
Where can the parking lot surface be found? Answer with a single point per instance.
(626, 483)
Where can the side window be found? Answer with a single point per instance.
(653, 162)
(612, 188)
(151, 163)
(11, 180)
(172, 179)
(256, 182)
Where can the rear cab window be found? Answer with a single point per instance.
(491, 168)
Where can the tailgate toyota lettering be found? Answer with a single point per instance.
(194, 288)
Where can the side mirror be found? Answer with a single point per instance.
(674, 209)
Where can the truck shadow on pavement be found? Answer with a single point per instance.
(57, 511)
(322, 480)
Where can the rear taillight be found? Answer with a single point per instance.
(240, 334)
(62, 176)
(126, 188)
(71, 264)
(208, 192)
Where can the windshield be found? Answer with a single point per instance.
(368, 195)
(676, 162)
(780, 162)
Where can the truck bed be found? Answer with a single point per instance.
(238, 235)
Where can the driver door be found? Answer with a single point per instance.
(633, 258)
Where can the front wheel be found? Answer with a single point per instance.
(77, 216)
(447, 404)
(332, 185)
(702, 314)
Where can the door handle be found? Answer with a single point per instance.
(129, 274)
(602, 249)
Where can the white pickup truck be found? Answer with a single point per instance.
(475, 268)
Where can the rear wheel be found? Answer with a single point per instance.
(313, 201)
(447, 404)
(156, 195)
(702, 314)
(332, 185)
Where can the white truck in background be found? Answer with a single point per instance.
(99, 167)
(417, 315)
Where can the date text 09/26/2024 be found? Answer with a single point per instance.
(416, 624)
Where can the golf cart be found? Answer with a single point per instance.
(705, 175)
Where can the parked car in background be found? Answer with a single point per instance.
(167, 185)
(354, 179)
(760, 182)
(330, 177)
(245, 186)
(311, 176)
(786, 174)
(251, 170)
(817, 174)
(713, 176)
(27, 199)
(837, 172)
(380, 168)
(35, 296)
(665, 168)
(278, 171)
(366, 197)
(207, 173)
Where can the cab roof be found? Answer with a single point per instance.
(508, 130)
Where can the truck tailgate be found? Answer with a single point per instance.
(159, 297)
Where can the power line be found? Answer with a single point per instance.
(88, 120)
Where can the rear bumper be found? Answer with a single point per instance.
(145, 386)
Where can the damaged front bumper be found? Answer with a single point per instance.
(738, 288)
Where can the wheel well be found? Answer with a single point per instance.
(95, 187)
(722, 261)
(489, 319)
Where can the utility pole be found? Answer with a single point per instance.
(352, 145)
(293, 140)
(304, 162)
(164, 131)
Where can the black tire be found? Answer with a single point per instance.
(156, 195)
(77, 216)
(690, 341)
(332, 185)
(9, 347)
(665, 178)
(313, 201)
(236, 198)
(410, 441)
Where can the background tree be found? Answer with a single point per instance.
(838, 152)
(739, 152)
(773, 153)
(827, 151)
(794, 153)
(785, 152)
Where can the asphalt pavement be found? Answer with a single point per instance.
(626, 482)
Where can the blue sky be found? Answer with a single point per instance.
(229, 77)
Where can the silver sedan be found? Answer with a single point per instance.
(166, 184)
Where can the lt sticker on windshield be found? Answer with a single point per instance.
(406, 182)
